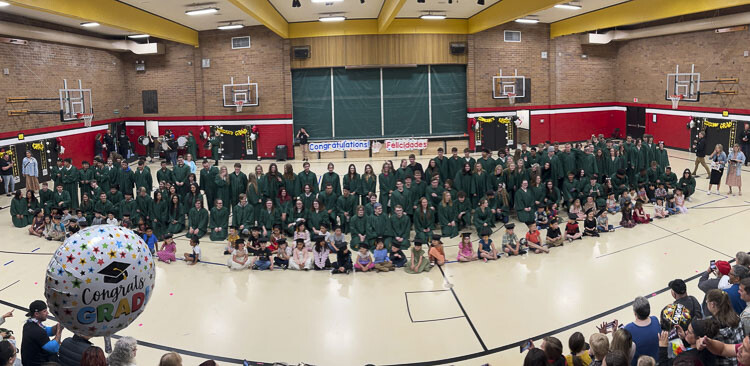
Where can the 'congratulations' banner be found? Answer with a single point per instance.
(341, 145)
(405, 144)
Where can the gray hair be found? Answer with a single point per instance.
(741, 271)
(743, 258)
(123, 352)
(641, 308)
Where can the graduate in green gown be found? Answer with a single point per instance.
(86, 206)
(464, 182)
(299, 214)
(482, 181)
(378, 225)
(215, 143)
(142, 177)
(175, 215)
(192, 146)
(181, 173)
(85, 176)
(308, 177)
(317, 215)
(432, 171)
(207, 181)
(386, 185)
(45, 198)
(418, 262)
(368, 185)
(197, 221)
(159, 215)
(143, 207)
(669, 178)
(687, 183)
(70, 182)
(454, 163)
(218, 221)
(448, 216)
(358, 228)
(483, 216)
(424, 220)
(269, 216)
(18, 210)
(237, 183)
(291, 183)
(254, 195)
(465, 210)
(661, 156)
(524, 203)
(400, 226)
(222, 185)
(243, 215)
(345, 206)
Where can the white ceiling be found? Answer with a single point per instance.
(174, 10)
(58, 19)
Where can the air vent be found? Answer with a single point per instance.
(512, 36)
(240, 42)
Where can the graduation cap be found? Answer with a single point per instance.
(486, 231)
(168, 236)
(418, 241)
(466, 235)
(300, 240)
(589, 211)
(115, 272)
(437, 238)
(599, 213)
(275, 226)
(572, 217)
(510, 226)
(255, 228)
(318, 238)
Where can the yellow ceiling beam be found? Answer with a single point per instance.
(507, 11)
(636, 11)
(116, 15)
(370, 26)
(266, 14)
(388, 13)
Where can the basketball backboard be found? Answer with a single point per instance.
(74, 102)
(245, 92)
(504, 86)
(685, 84)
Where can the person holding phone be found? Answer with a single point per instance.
(718, 160)
(302, 136)
(734, 177)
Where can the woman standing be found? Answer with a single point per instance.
(736, 161)
(98, 146)
(302, 135)
(31, 172)
(718, 159)
(18, 209)
(222, 185)
(368, 185)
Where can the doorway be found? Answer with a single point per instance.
(636, 122)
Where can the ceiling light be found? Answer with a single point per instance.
(203, 11)
(336, 18)
(568, 6)
(230, 26)
(89, 24)
(480, 2)
(3, 3)
(326, 1)
(527, 20)
(433, 16)
(136, 36)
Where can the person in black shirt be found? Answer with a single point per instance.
(414, 165)
(700, 154)
(679, 293)
(263, 262)
(745, 141)
(36, 346)
(72, 349)
(302, 136)
(343, 262)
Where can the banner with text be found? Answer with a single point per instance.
(405, 144)
(340, 145)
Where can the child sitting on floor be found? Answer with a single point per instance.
(263, 259)
(397, 256)
(465, 250)
(659, 211)
(534, 240)
(679, 200)
(382, 261)
(436, 252)
(576, 210)
(639, 215)
(612, 206)
(642, 195)
(661, 192)
(589, 225)
(554, 236)
(589, 205)
(671, 206)
(552, 213)
(364, 261)
(231, 239)
(627, 216)
(343, 264)
(602, 223)
(195, 256)
(510, 243)
(541, 218)
(168, 249)
(572, 231)
(283, 254)
(487, 250)
(651, 193)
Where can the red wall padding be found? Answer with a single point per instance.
(576, 126)
(670, 129)
(79, 147)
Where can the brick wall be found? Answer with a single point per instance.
(643, 65)
(575, 79)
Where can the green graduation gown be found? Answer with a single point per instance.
(243, 215)
(70, 184)
(164, 175)
(333, 179)
(308, 178)
(159, 217)
(176, 216)
(219, 218)
(400, 227)
(198, 219)
(208, 185)
(143, 179)
(446, 214)
(18, 208)
(357, 227)
(523, 200)
(378, 225)
(192, 147)
(223, 190)
(387, 183)
(424, 221)
(482, 217)
(238, 184)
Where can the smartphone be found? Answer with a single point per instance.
(673, 334)
(611, 325)
(713, 265)
(525, 346)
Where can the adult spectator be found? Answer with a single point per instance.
(735, 160)
(36, 346)
(6, 173)
(742, 258)
(737, 273)
(72, 349)
(745, 296)
(679, 293)
(93, 356)
(123, 145)
(302, 136)
(6, 316)
(616, 358)
(718, 161)
(30, 170)
(599, 346)
(730, 330)
(8, 353)
(553, 348)
(123, 354)
(98, 146)
(644, 330)
(700, 154)
(535, 357)
(622, 341)
(646, 361)
(693, 355)
(150, 147)
(720, 280)
(170, 359)
(741, 351)
(109, 142)
(745, 139)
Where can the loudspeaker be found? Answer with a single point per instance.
(301, 52)
(458, 48)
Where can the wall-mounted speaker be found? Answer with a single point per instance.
(301, 52)
(458, 48)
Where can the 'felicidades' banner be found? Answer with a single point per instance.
(340, 145)
(405, 144)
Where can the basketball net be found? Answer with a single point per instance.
(238, 104)
(675, 100)
(512, 98)
(86, 117)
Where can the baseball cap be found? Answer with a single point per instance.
(37, 305)
(678, 286)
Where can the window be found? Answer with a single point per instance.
(512, 36)
(240, 42)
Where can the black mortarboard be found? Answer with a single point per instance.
(572, 217)
(486, 231)
(300, 240)
(510, 226)
(168, 236)
(466, 235)
(115, 272)
(436, 237)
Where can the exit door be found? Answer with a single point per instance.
(636, 122)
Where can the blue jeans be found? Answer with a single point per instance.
(9, 183)
(262, 265)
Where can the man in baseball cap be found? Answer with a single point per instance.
(36, 347)
(680, 295)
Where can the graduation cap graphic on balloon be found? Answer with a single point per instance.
(115, 272)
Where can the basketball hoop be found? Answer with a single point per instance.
(675, 100)
(512, 98)
(238, 105)
(86, 117)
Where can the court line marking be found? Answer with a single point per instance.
(17, 281)
(471, 324)
(408, 309)
(28, 253)
(723, 217)
(638, 245)
(8, 263)
(691, 240)
(35, 250)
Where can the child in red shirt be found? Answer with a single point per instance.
(571, 229)
(639, 216)
(534, 240)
